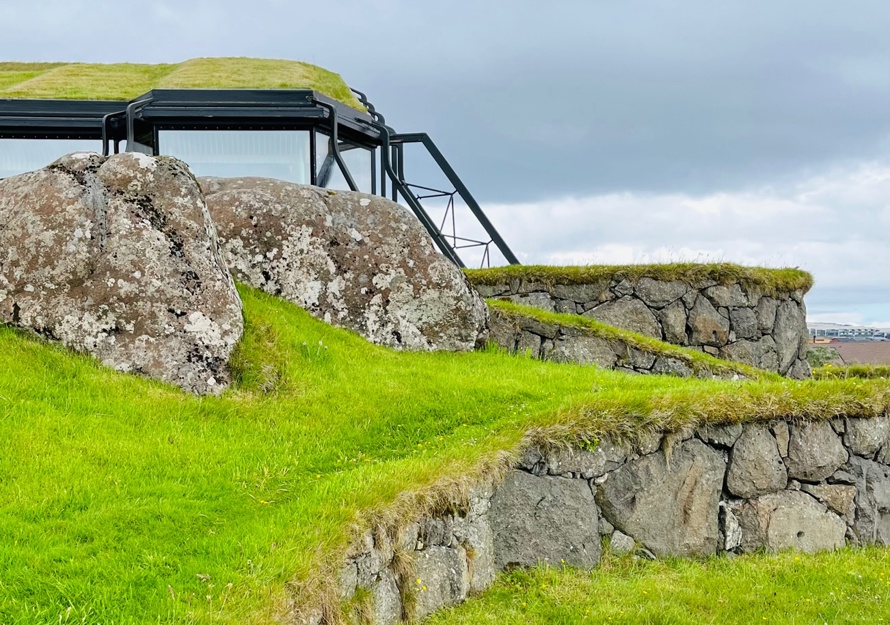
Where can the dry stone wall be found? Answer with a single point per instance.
(737, 322)
(565, 343)
(719, 488)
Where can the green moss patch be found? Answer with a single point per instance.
(769, 280)
(125, 81)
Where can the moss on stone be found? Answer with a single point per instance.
(772, 281)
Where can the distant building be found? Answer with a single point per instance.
(841, 331)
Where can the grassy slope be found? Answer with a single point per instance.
(865, 372)
(696, 360)
(849, 586)
(125, 501)
(125, 81)
(770, 280)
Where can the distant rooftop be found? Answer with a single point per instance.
(125, 81)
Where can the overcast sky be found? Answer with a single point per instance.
(591, 131)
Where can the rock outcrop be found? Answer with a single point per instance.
(118, 258)
(356, 261)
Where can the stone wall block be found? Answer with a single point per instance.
(585, 350)
(581, 293)
(720, 435)
(529, 343)
(706, 325)
(766, 314)
(789, 519)
(865, 437)
(790, 327)
(743, 322)
(444, 579)
(387, 599)
(669, 507)
(503, 330)
(838, 497)
(606, 456)
(673, 323)
(658, 293)
(731, 295)
(872, 500)
(815, 451)
(755, 466)
(627, 313)
(549, 520)
(535, 300)
(666, 365)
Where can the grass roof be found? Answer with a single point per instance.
(770, 280)
(125, 81)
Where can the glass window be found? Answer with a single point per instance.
(20, 155)
(357, 160)
(280, 154)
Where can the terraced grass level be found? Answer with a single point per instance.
(126, 501)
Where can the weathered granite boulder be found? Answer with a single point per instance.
(549, 520)
(356, 261)
(789, 519)
(815, 451)
(755, 466)
(668, 505)
(119, 258)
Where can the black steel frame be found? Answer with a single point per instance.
(139, 121)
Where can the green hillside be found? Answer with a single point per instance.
(127, 501)
(125, 81)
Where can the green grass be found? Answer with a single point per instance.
(697, 361)
(769, 280)
(125, 81)
(865, 372)
(126, 501)
(848, 586)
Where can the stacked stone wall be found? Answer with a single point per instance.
(726, 488)
(565, 343)
(737, 322)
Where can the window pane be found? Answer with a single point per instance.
(281, 154)
(20, 155)
(357, 160)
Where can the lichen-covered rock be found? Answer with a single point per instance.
(789, 519)
(755, 466)
(815, 451)
(119, 258)
(356, 261)
(668, 505)
(550, 520)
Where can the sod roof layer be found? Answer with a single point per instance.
(125, 81)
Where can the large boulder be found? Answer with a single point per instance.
(789, 519)
(118, 258)
(356, 261)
